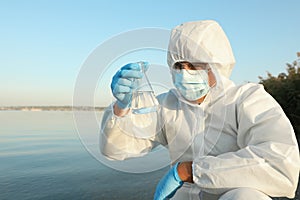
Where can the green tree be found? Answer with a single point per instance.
(285, 88)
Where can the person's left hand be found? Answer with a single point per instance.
(168, 185)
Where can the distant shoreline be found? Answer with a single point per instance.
(50, 108)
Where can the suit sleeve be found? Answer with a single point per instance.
(117, 140)
(268, 159)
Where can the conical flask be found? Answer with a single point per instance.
(143, 98)
(145, 107)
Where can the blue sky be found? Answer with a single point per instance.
(44, 43)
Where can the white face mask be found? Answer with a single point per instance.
(192, 84)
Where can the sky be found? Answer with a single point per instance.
(44, 43)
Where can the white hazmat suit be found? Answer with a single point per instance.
(239, 139)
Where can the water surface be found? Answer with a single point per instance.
(41, 157)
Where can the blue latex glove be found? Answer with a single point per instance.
(168, 185)
(124, 83)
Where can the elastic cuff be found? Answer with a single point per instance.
(193, 171)
(197, 171)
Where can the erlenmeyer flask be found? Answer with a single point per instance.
(143, 98)
(145, 108)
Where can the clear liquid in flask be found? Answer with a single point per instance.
(143, 99)
(144, 102)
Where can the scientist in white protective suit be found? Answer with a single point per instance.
(225, 141)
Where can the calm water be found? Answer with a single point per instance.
(41, 157)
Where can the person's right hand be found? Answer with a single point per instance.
(169, 184)
(124, 82)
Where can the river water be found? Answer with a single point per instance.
(42, 157)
